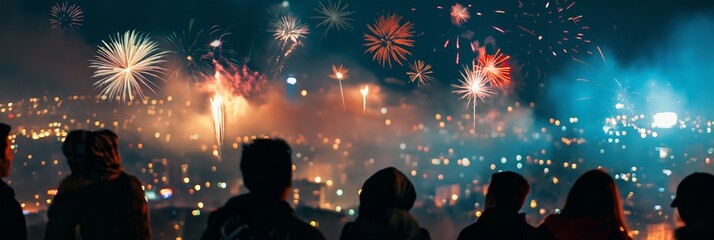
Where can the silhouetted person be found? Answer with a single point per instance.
(592, 211)
(506, 194)
(385, 201)
(263, 213)
(694, 202)
(98, 200)
(12, 221)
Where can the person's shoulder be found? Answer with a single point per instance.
(133, 180)
(424, 234)
(228, 209)
(303, 230)
(469, 232)
(6, 192)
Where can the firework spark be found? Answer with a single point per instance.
(459, 14)
(550, 29)
(289, 28)
(495, 68)
(340, 73)
(125, 65)
(389, 39)
(65, 17)
(334, 16)
(420, 72)
(218, 109)
(473, 87)
(188, 52)
(364, 91)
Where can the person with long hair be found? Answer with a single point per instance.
(385, 201)
(593, 210)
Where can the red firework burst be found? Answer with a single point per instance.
(495, 68)
(389, 39)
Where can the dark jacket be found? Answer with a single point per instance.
(696, 232)
(110, 209)
(560, 227)
(385, 201)
(12, 221)
(251, 217)
(365, 230)
(495, 223)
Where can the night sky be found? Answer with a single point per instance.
(35, 56)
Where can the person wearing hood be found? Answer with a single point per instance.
(695, 195)
(593, 211)
(266, 165)
(98, 200)
(506, 195)
(12, 221)
(385, 200)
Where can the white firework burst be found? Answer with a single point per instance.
(289, 28)
(125, 65)
(420, 72)
(473, 87)
(334, 16)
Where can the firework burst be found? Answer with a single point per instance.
(289, 28)
(459, 14)
(473, 87)
(340, 73)
(125, 65)
(420, 72)
(389, 39)
(495, 68)
(334, 16)
(188, 52)
(65, 18)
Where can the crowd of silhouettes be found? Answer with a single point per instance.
(100, 201)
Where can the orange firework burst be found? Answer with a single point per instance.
(459, 14)
(495, 68)
(389, 39)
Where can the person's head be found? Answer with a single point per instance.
(5, 151)
(695, 195)
(93, 155)
(595, 195)
(267, 167)
(507, 190)
(386, 189)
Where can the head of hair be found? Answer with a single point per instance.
(386, 189)
(4, 132)
(93, 155)
(595, 195)
(266, 165)
(507, 190)
(695, 194)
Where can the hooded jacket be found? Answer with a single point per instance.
(561, 227)
(251, 217)
(98, 200)
(496, 223)
(385, 201)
